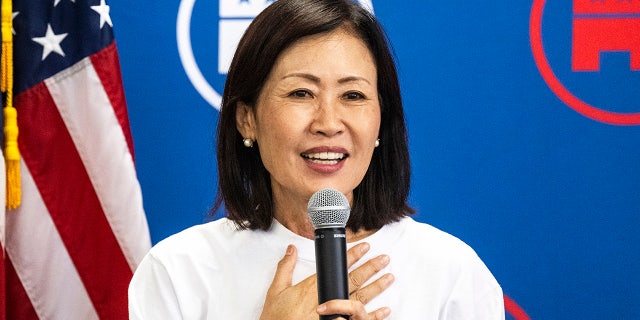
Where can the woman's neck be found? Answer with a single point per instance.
(300, 225)
(292, 214)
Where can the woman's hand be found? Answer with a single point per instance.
(285, 301)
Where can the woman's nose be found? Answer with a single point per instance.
(328, 119)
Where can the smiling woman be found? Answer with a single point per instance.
(312, 101)
(320, 57)
(326, 83)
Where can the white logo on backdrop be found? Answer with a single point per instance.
(234, 18)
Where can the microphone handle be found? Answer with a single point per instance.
(331, 266)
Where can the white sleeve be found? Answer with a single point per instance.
(476, 294)
(151, 292)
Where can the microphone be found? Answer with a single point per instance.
(328, 210)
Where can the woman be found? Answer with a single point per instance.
(312, 101)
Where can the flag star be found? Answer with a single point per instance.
(50, 42)
(55, 2)
(13, 31)
(103, 10)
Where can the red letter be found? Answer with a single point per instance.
(604, 25)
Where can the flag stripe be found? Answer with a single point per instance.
(67, 192)
(119, 192)
(19, 306)
(107, 65)
(34, 245)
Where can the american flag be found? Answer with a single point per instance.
(72, 245)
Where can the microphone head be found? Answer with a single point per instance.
(328, 208)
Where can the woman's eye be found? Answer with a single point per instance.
(353, 95)
(300, 94)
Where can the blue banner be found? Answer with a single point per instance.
(524, 125)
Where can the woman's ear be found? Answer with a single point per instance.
(245, 121)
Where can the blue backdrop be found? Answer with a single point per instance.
(516, 148)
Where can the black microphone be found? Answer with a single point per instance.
(328, 211)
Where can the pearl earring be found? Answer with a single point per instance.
(377, 143)
(247, 142)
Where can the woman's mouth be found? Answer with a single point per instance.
(325, 158)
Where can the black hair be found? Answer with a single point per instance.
(244, 185)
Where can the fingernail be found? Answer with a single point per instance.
(388, 279)
(383, 313)
(364, 248)
(289, 250)
(321, 308)
(384, 259)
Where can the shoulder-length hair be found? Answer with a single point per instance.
(244, 183)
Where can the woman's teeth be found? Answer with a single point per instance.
(324, 157)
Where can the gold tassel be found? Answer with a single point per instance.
(11, 151)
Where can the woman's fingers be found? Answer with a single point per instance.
(359, 276)
(279, 303)
(284, 301)
(356, 253)
(380, 314)
(365, 294)
(360, 294)
(362, 274)
(284, 272)
(354, 309)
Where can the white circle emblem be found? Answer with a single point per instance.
(185, 50)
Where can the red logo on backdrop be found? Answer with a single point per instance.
(598, 26)
(514, 310)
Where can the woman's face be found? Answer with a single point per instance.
(317, 117)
